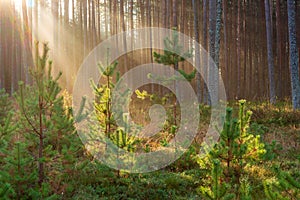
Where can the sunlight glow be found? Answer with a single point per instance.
(18, 4)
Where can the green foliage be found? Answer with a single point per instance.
(239, 167)
(7, 128)
(187, 161)
(281, 114)
(173, 51)
(173, 54)
(104, 113)
(284, 186)
(18, 173)
(236, 149)
(218, 189)
(141, 95)
(188, 77)
(123, 140)
(103, 99)
(5, 106)
(6, 114)
(40, 152)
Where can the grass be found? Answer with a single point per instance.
(279, 127)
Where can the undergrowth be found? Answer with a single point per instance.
(256, 158)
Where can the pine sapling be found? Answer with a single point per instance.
(173, 54)
(236, 149)
(36, 103)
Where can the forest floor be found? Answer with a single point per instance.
(279, 128)
(73, 173)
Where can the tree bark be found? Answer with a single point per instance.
(270, 53)
(212, 52)
(205, 69)
(294, 54)
(279, 52)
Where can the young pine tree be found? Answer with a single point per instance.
(46, 125)
(18, 172)
(117, 133)
(7, 127)
(218, 190)
(284, 187)
(173, 54)
(236, 149)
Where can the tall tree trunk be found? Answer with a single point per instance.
(270, 53)
(2, 5)
(27, 42)
(66, 42)
(238, 50)
(36, 20)
(218, 31)
(85, 32)
(94, 31)
(81, 32)
(294, 54)
(174, 6)
(212, 28)
(74, 43)
(122, 8)
(279, 46)
(99, 21)
(168, 14)
(217, 45)
(245, 47)
(205, 69)
(226, 71)
(149, 23)
(212, 52)
(197, 50)
(54, 5)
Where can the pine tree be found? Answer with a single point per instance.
(46, 125)
(218, 189)
(117, 133)
(18, 172)
(6, 126)
(6, 129)
(283, 187)
(37, 110)
(103, 98)
(173, 54)
(236, 149)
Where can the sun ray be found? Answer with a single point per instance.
(18, 4)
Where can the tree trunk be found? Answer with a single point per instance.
(294, 54)
(36, 20)
(212, 52)
(226, 71)
(205, 69)
(168, 13)
(218, 32)
(94, 31)
(278, 39)
(27, 42)
(54, 5)
(197, 51)
(124, 35)
(238, 50)
(270, 53)
(85, 27)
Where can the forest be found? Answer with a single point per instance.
(150, 99)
